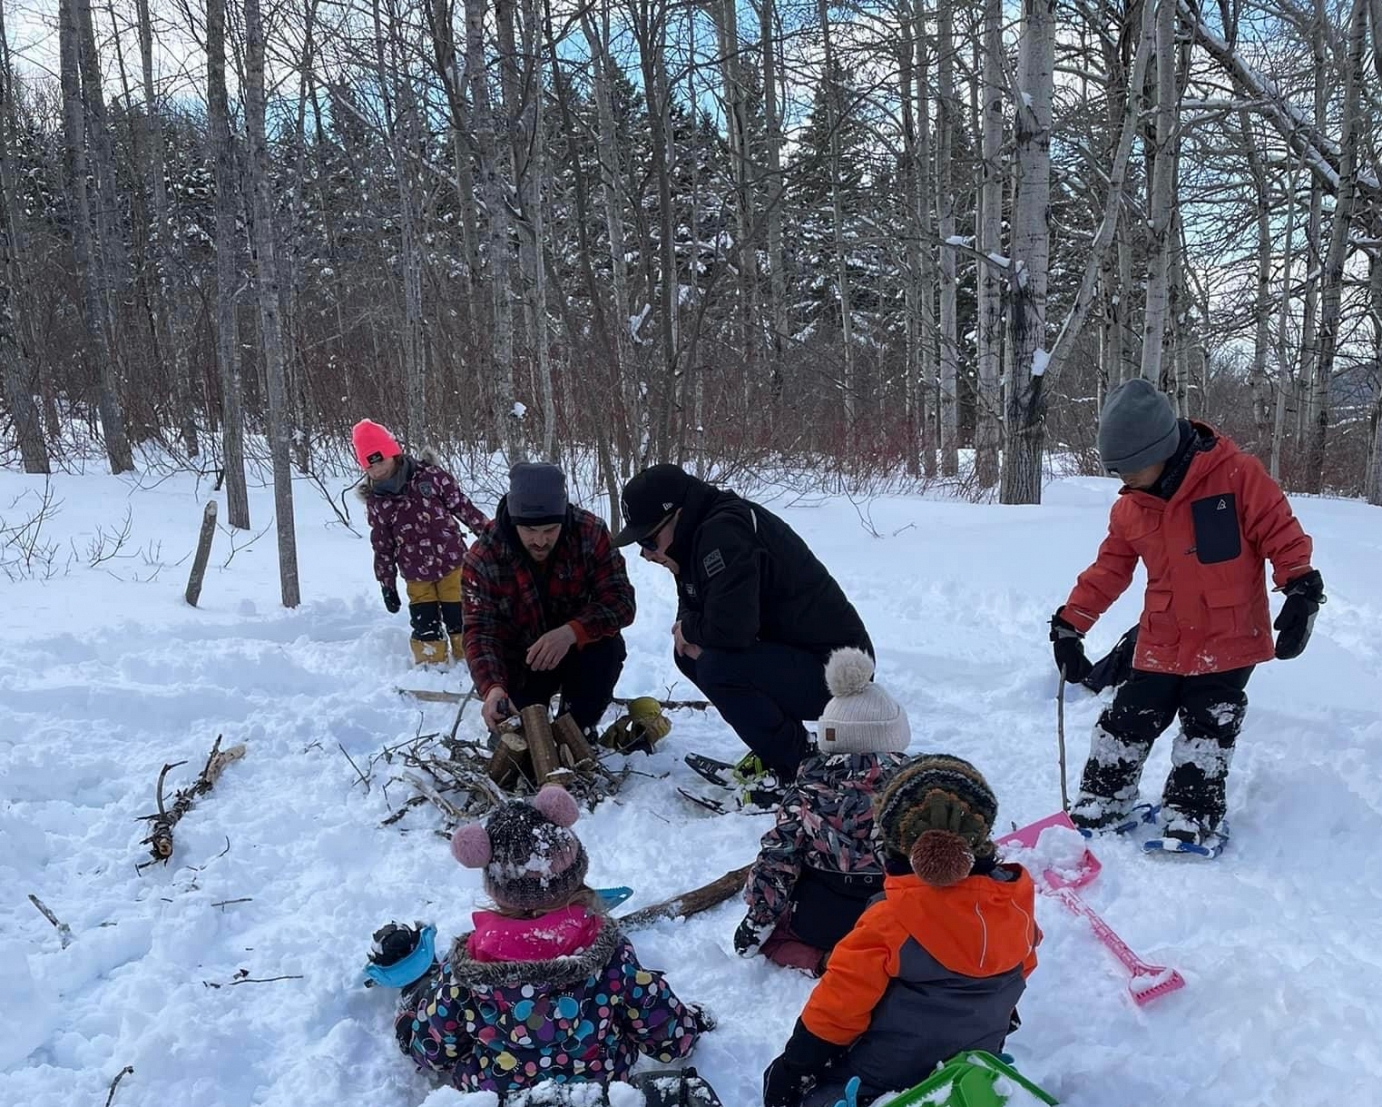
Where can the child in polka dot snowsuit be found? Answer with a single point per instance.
(546, 987)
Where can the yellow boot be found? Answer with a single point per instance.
(458, 648)
(428, 653)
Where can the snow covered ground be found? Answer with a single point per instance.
(105, 675)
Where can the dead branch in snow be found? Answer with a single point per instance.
(160, 839)
(688, 903)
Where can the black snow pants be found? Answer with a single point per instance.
(1211, 708)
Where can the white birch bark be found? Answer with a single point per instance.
(1025, 431)
(989, 398)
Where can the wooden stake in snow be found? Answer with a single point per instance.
(194, 581)
(688, 903)
(160, 839)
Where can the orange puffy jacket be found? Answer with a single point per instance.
(925, 973)
(1205, 610)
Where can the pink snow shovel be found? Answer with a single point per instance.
(1148, 982)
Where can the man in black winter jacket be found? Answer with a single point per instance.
(757, 613)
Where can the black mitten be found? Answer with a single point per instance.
(1067, 644)
(391, 599)
(1297, 619)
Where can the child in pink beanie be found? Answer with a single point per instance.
(413, 506)
(546, 987)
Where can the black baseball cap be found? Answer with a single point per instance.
(649, 498)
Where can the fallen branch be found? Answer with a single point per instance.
(64, 931)
(119, 1076)
(688, 903)
(160, 839)
(428, 695)
(363, 778)
(227, 902)
(669, 705)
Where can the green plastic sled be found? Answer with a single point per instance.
(972, 1079)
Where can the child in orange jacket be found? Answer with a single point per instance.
(935, 967)
(1203, 517)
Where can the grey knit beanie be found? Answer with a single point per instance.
(537, 494)
(861, 717)
(1138, 427)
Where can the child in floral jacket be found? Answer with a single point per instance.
(412, 505)
(546, 987)
(821, 863)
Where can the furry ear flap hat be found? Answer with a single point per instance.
(938, 812)
(530, 857)
(862, 717)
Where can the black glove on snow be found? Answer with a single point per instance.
(1297, 619)
(391, 600)
(785, 1084)
(805, 1056)
(1068, 646)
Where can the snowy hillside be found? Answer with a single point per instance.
(284, 869)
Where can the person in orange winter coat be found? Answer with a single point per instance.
(1203, 517)
(933, 968)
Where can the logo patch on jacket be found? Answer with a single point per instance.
(714, 562)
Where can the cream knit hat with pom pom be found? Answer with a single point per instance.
(862, 717)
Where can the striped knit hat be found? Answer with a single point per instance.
(938, 812)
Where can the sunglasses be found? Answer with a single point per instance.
(649, 540)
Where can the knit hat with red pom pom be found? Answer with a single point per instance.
(529, 855)
(938, 812)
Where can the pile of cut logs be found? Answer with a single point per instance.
(532, 748)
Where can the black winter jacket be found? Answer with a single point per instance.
(746, 577)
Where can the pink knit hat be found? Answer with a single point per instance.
(373, 443)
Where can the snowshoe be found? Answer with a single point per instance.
(1140, 814)
(720, 773)
(1189, 836)
(675, 1088)
(706, 803)
(400, 955)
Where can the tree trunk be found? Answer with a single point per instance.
(1332, 275)
(1259, 388)
(16, 375)
(227, 271)
(988, 403)
(1283, 335)
(834, 113)
(171, 301)
(1162, 241)
(773, 191)
(910, 173)
(946, 110)
(1373, 485)
(262, 248)
(1021, 479)
(627, 372)
(85, 246)
(493, 194)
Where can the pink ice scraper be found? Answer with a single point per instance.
(1148, 982)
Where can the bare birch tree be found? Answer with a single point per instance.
(262, 249)
(1025, 430)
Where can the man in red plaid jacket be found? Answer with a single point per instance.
(546, 595)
